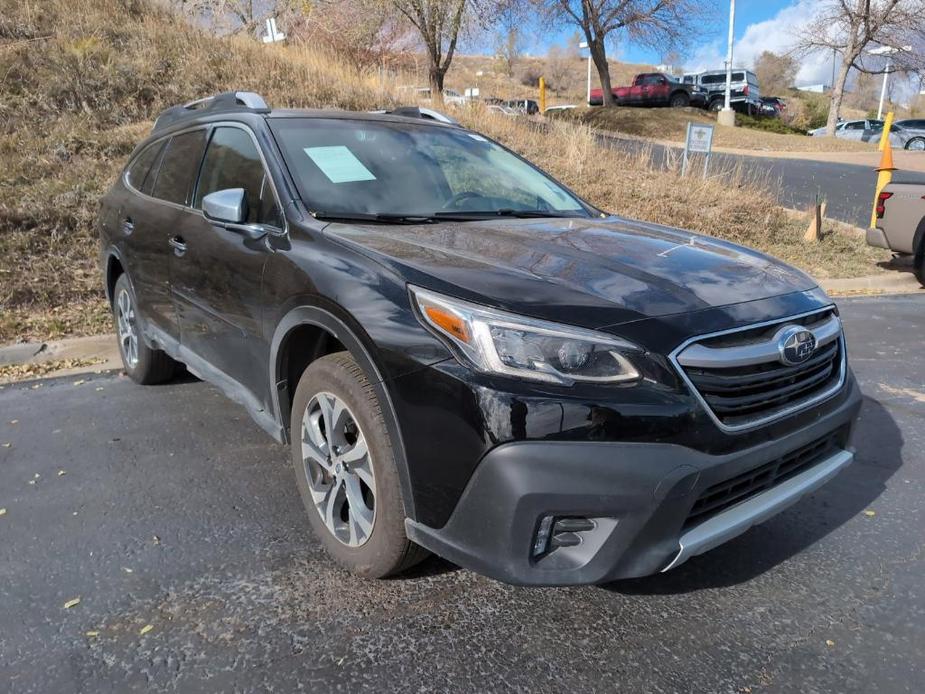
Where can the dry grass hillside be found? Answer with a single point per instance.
(670, 125)
(81, 81)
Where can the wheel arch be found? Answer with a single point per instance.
(332, 323)
(115, 267)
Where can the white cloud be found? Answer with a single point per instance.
(777, 34)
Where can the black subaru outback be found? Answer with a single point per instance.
(465, 356)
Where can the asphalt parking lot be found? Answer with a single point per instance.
(177, 523)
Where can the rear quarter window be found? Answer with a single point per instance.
(179, 167)
(139, 172)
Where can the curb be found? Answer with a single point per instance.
(67, 357)
(893, 283)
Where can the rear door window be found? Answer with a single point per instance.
(139, 174)
(179, 166)
(233, 161)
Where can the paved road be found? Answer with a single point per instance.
(176, 511)
(848, 188)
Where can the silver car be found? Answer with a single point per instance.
(871, 129)
(914, 128)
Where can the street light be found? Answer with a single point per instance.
(727, 115)
(888, 51)
(584, 44)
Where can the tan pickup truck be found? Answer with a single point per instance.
(901, 223)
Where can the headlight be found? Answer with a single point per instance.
(503, 343)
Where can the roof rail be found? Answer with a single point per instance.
(419, 112)
(226, 101)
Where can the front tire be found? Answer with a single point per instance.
(142, 364)
(916, 143)
(716, 105)
(346, 471)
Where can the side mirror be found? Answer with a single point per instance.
(229, 206)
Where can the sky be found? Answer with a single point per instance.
(759, 25)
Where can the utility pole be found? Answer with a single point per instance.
(727, 116)
(584, 44)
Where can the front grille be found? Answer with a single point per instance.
(726, 494)
(744, 395)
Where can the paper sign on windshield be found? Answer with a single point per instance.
(339, 164)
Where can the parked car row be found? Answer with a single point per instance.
(906, 134)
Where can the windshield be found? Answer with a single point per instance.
(380, 168)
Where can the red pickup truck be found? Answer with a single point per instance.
(654, 89)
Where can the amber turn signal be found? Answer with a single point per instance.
(448, 322)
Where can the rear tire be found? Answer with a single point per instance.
(346, 472)
(680, 100)
(143, 364)
(918, 263)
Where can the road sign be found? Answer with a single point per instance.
(699, 141)
(273, 34)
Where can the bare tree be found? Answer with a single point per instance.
(776, 73)
(656, 23)
(508, 49)
(853, 27)
(361, 34)
(439, 24)
(559, 68)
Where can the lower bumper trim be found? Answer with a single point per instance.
(876, 238)
(739, 518)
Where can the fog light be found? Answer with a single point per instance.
(542, 536)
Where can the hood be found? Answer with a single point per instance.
(588, 272)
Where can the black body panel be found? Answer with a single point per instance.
(228, 306)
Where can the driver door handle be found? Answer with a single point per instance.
(178, 245)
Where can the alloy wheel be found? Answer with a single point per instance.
(128, 328)
(339, 469)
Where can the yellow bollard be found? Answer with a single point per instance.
(542, 95)
(884, 176)
(885, 135)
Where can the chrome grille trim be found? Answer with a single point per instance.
(711, 357)
(754, 353)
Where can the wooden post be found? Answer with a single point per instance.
(542, 95)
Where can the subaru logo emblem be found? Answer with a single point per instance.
(795, 345)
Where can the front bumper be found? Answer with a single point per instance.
(638, 496)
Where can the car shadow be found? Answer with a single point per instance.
(898, 263)
(879, 444)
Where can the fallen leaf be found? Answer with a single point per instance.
(157, 540)
(127, 570)
(99, 388)
(92, 634)
(71, 603)
(870, 514)
(7, 445)
(14, 421)
(62, 473)
(36, 386)
(145, 629)
(829, 643)
(79, 382)
(32, 482)
(2, 511)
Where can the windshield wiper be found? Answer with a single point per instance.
(381, 217)
(505, 212)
